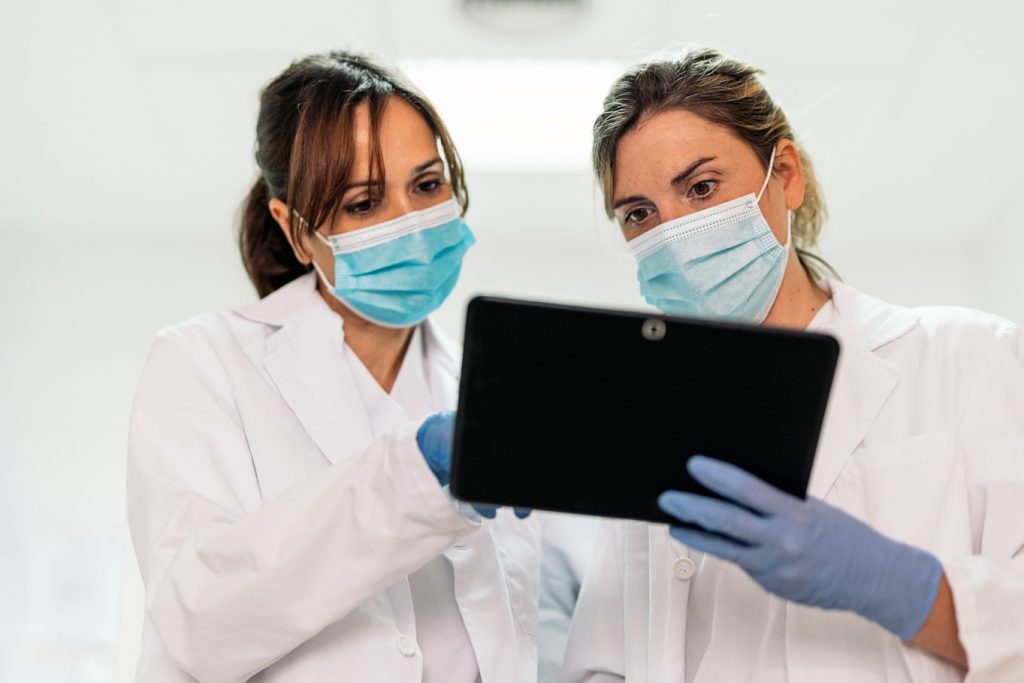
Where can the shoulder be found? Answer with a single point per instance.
(232, 329)
(931, 329)
(967, 329)
(200, 339)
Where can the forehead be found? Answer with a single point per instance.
(662, 145)
(402, 133)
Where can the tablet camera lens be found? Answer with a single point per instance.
(653, 329)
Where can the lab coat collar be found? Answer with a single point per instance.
(863, 381)
(871, 322)
(305, 359)
(284, 304)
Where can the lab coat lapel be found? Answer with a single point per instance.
(863, 381)
(861, 387)
(443, 365)
(305, 359)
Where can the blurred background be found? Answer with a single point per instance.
(126, 147)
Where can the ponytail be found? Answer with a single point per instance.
(268, 258)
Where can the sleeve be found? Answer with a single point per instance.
(232, 583)
(595, 652)
(988, 586)
(567, 543)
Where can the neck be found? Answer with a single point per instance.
(799, 298)
(381, 349)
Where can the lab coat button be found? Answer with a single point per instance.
(683, 568)
(406, 646)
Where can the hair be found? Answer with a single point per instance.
(724, 91)
(305, 153)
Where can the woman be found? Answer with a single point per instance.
(906, 562)
(287, 462)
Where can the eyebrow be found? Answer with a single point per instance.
(423, 167)
(686, 173)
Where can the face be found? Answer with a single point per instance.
(677, 163)
(414, 174)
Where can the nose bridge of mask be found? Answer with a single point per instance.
(405, 224)
(381, 233)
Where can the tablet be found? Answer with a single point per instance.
(596, 412)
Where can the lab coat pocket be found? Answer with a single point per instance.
(518, 543)
(912, 490)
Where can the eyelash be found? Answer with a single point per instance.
(628, 220)
(700, 198)
(366, 206)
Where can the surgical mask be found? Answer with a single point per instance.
(397, 273)
(723, 262)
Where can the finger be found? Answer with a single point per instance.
(488, 511)
(714, 515)
(709, 543)
(523, 513)
(738, 485)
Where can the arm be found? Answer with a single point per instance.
(806, 551)
(234, 583)
(940, 634)
(987, 586)
(815, 554)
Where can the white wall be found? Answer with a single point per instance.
(126, 145)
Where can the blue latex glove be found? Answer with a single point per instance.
(434, 438)
(805, 551)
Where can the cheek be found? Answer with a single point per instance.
(323, 255)
(773, 208)
(445, 192)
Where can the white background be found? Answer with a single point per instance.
(126, 140)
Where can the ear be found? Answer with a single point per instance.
(790, 170)
(282, 215)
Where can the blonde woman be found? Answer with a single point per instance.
(906, 562)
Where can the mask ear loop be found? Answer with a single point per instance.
(316, 266)
(789, 214)
(767, 177)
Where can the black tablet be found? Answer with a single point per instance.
(595, 412)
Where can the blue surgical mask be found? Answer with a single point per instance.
(723, 262)
(397, 273)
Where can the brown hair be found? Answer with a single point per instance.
(304, 150)
(722, 90)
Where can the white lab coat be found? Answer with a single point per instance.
(567, 543)
(923, 440)
(275, 534)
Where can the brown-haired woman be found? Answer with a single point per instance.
(288, 459)
(906, 561)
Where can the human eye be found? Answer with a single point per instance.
(361, 207)
(702, 189)
(637, 216)
(429, 185)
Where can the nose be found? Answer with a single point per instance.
(404, 204)
(670, 211)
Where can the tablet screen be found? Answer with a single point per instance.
(596, 412)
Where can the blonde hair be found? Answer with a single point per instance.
(722, 90)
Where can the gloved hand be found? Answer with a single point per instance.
(434, 438)
(805, 551)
